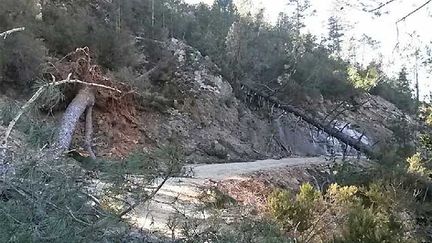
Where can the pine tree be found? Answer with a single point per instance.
(335, 35)
(301, 11)
(301, 8)
(403, 84)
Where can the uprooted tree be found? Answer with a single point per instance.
(84, 83)
(85, 80)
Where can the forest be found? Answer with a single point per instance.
(106, 104)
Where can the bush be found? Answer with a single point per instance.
(44, 203)
(342, 214)
(294, 214)
(387, 90)
(38, 133)
(367, 225)
(417, 165)
(66, 27)
(242, 230)
(21, 53)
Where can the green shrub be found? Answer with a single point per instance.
(242, 230)
(44, 203)
(342, 195)
(343, 214)
(66, 27)
(417, 165)
(8, 112)
(367, 225)
(21, 53)
(294, 214)
(38, 133)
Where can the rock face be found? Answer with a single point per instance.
(214, 126)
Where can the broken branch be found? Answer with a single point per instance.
(155, 191)
(380, 6)
(5, 34)
(414, 11)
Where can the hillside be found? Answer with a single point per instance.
(159, 121)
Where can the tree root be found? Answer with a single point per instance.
(65, 138)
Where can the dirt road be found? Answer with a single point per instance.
(181, 195)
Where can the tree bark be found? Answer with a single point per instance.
(89, 131)
(87, 91)
(322, 125)
(83, 101)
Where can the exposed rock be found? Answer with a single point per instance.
(214, 126)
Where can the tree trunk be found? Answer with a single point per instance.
(89, 132)
(83, 101)
(322, 125)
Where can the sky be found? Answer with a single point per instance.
(407, 35)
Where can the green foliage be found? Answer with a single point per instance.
(21, 53)
(43, 203)
(38, 133)
(366, 225)
(335, 35)
(242, 230)
(397, 91)
(66, 27)
(8, 111)
(363, 79)
(316, 70)
(342, 195)
(308, 194)
(57, 201)
(417, 165)
(361, 214)
(294, 214)
(426, 114)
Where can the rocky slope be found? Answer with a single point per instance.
(193, 106)
(214, 126)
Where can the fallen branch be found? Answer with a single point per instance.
(155, 191)
(5, 34)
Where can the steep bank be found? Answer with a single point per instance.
(214, 126)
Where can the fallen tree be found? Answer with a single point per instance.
(322, 125)
(83, 102)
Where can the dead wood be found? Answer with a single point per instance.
(37, 94)
(320, 124)
(89, 131)
(5, 34)
(84, 99)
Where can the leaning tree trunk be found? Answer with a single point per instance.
(320, 124)
(83, 101)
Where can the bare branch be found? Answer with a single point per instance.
(5, 34)
(414, 11)
(155, 191)
(380, 6)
